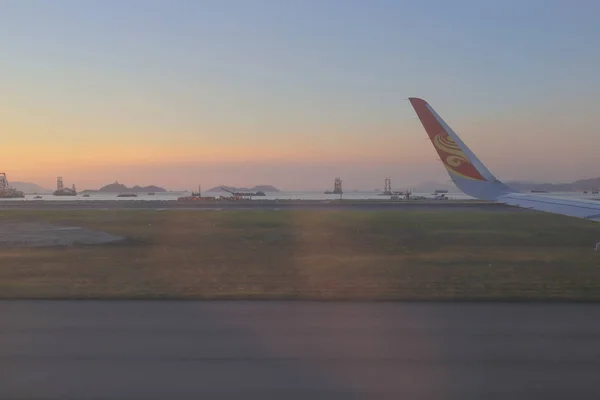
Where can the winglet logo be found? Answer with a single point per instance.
(454, 159)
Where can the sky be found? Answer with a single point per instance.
(294, 93)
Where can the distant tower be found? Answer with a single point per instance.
(61, 190)
(337, 186)
(3, 182)
(388, 186)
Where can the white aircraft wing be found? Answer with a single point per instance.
(473, 178)
(572, 207)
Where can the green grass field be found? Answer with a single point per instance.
(311, 255)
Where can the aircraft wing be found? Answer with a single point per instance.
(572, 207)
(471, 176)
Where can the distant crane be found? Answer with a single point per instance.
(61, 190)
(238, 196)
(6, 191)
(337, 188)
(199, 194)
(388, 186)
(3, 181)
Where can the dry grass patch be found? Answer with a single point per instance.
(311, 255)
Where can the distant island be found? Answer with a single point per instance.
(120, 188)
(30, 188)
(257, 188)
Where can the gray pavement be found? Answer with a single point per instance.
(350, 205)
(298, 350)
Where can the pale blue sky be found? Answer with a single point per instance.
(294, 85)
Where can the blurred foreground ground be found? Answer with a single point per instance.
(298, 350)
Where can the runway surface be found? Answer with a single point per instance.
(352, 205)
(295, 350)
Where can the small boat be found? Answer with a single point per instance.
(127, 195)
(86, 195)
(151, 194)
(37, 197)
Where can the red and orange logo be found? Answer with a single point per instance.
(454, 158)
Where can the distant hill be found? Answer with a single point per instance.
(30, 188)
(592, 183)
(257, 188)
(577, 186)
(120, 188)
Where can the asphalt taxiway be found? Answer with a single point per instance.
(298, 350)
(350, 205)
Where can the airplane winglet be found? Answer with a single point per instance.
(464, 168)
(473, 178)
(416, 101)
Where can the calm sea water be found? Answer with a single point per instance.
(166, 196)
